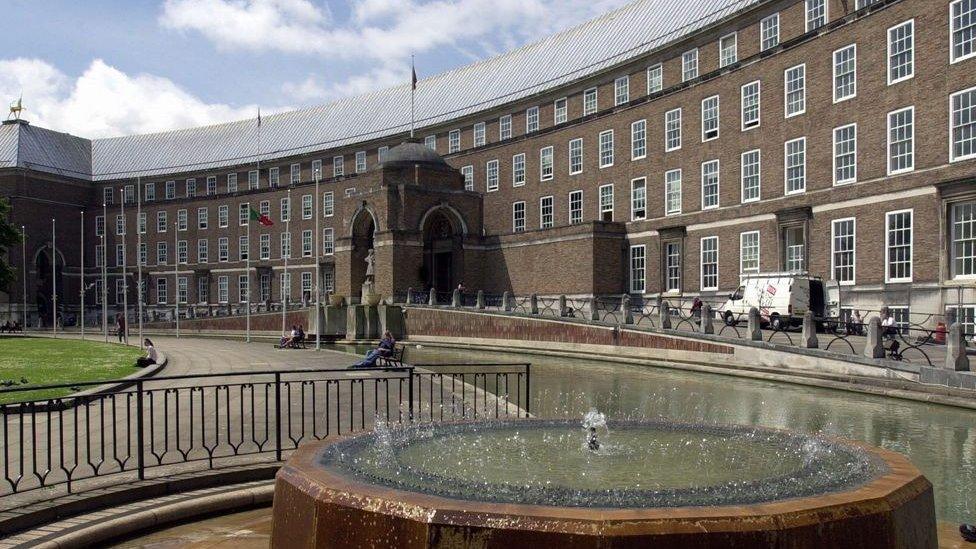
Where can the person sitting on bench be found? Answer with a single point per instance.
(385, 348)
(299, 339)
(288, 340)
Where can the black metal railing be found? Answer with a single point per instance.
(209, 421)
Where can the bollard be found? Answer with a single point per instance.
(594, 309)
(432, 300)
(810, 331)
(956, 358)
(628, 314)
(408, 301)
(874, 346)
(755, 325)
(456, 298)
(480, 300)
(507, 302)
(707, 316)
(664, 309)
(562, 306)
(534, 304)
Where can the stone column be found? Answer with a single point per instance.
(664, 310)
(755, 325)
(456, 298)
(707, 326)
(562, 306)
(874, 347)
(810, 331)
(432, 300)
(956, 358)
(480, 301)
(507, 302)
(628, 315)
(594, 309)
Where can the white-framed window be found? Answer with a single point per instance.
(203, 290)
(307, 244)
(317, 174)
(709, 263)
(518, 170)
(191, 188)
(709, 118)
(638, 268)
(203, 218)
(431, 142)
(360, 161)
(621, 90)
(672, 267)
(296, 174)
(203, 250)
(575, 207)
(795, 90)
(689, 65)
(328, 241)
(710, 184)
(545, 163)
(232, 183)
(454, 141)
(672, 130)
(162, 253)
(243, 214)
(479, 134)
(129, 193)
(328, 204)
(606, 149)
(606, 202)
(264, 207)
(672, 192)
(962, 221)
(182, 289)
(531, 119)
(751, 175)
(794, 248)
(284, 209)
(284, 245)
(845, 154)
(769, 32)
(505, 127)
(142, 221)
(638, 139)
(338, 166)
(576, 156)
(468, 173)
(120, 225)
(120, 255)
(727, 50)
(842, 250)
(845, 73)
(307, 206)
(223, 249)
(638, 199)
(898, 244)
(223, 216)
(795, 165)
(589, 101)
(182, 220)
(223, 293)
(161, 290)
(264, 246)
(211, 185)
(161, 223)
(655, 79)
(252, 180)
(816, 11)
(966, 316)
(380, 156)
(863, 3)
(243, 247)
(171, 190)
(274, 176)
(901, 140)
(243, 288)
(750, 104)
(491, 176)
(962, 124)
(99, 255)
(518, 217)
(149, 190)
(328, 281)
(901, 52)
(749, 252)
(306, 285)
(962, 30)
(560, 111)
(546, 217)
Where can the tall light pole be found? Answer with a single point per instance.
(176, 274)
(318, 261)
(54, 278)
(81, 276)
(286, 285)
(105, 270)
(139, 253)
(23, 244)
(247, 273)
(125, 271)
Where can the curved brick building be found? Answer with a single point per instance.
(664, 148)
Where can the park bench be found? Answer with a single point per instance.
(394, 360)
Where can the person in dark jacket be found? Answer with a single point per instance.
(385, 348)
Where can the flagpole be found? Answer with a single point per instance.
(104, 260)
(413, 92)
(176, 274)
(318, 267)
(287, 281)
(139, 253)
(247, 272)
(23, 244)
(54, 279)
(125, 271)
(81, 315)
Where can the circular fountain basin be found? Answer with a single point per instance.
(531, 482)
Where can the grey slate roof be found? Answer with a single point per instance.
(620, 35)
(26, 146)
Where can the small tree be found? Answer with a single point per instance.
(9, 236)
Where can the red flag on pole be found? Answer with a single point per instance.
(261, 218)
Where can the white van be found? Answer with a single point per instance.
(782, 298)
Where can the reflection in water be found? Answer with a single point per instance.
(940, 440)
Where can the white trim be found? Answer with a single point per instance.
(718, 118)
(888, 169)
(569, 159)
(555, 109)
(806, 18)
(758, 251)
(735, 36)
(632, 187)
(552, 205)
(680, 130)
(514, 229)
(888, 57)
(647, 74)
(599, 148)
(953, 60)
(875, 199)
(742, 118)
(632, 124)
(786, 93)
(730, 222)
(911, 246)
(599, 201)
(701, 264)
(668, 212)
(951, 152)
(630, 269)
(833, 155)
(516, 183)
(569, 206)
(718, 184)
(786, 176)
(833, 251)
(552, 163)
(742, 187)
(833, 79)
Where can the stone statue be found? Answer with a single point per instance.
(370, 260)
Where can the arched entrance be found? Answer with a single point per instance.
(443, 235)
(45, 284)
(363, 233)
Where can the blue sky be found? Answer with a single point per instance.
(101, 68)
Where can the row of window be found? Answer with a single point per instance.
(223, 288)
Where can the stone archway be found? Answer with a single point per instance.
(443, 235)
(363, 233)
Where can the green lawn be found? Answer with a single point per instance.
(45, 361)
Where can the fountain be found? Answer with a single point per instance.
(541, 482)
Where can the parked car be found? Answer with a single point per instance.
(782, 298)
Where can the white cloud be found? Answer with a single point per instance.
(105, 101)
(314, 89)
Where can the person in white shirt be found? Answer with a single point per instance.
(151, 355)
(888, 328)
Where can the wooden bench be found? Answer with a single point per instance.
(394, 360)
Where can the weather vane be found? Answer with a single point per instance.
(15, 108)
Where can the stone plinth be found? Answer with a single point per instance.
(334, 323)
(356, 322)
(391, 318)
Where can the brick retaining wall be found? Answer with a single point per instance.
(264, 322)
(452, 323)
